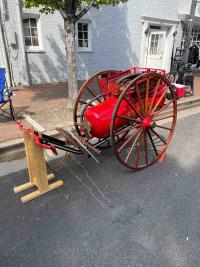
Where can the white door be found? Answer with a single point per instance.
(155, 49)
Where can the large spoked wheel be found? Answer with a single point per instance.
(90, 94)
(150, 121)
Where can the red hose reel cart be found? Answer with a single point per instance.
(134, 111)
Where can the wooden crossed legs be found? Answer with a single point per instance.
(37, 171)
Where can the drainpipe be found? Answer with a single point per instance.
(5, 53)
(21, 41)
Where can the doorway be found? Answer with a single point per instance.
(155, 49)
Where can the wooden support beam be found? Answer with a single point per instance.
(35, 125)
(20, 188)
(38, 193)
(76, 140)
(37, 171)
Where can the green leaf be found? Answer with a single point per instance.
(49, 6)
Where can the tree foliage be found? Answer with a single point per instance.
(69, 8)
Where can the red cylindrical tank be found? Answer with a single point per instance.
(99, 117)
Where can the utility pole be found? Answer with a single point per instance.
(189, 24)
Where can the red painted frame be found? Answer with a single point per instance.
(109, 85)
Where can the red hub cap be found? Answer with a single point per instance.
(147, 123)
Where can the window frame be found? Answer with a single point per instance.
(195, 34)
(32, 48)
(89, 48)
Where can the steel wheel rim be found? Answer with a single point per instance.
(156, 116)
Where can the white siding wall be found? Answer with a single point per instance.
(14, 51)
(117, 35)
(2, 64)
(184, 6)
(50, 64)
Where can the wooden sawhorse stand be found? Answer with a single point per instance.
(37, 171)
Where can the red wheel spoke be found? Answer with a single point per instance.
(159, 136)
(128, 140)
(138, 152)
(147, 96)
(157, 104)
(139, 99)
(82, 102)
(132, 147)
(92, 93)
(163, 127)
(127, 129)
(163, 108)
(128, 118)
(163, 118)
(104, 97)
(146, 148)
(98, 83)
(152, 142)
(154, 96)
(133, 108)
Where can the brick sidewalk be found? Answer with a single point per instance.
(47, 104)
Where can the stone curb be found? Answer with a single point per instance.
(14, 149)
(7, 146)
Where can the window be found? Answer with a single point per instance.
(195, 35)
(30, 32)
(156, 45)
(84, 36)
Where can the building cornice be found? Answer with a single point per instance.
(159, 20)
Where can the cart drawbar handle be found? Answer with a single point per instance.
(37, 139)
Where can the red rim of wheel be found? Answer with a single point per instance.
(148, 135)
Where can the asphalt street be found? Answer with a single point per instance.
(106, 215)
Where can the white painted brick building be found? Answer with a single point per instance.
(137, 33)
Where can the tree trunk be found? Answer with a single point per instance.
(71, 60)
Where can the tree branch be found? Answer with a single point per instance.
(85, 10)
(74, 7)
(60, 8)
